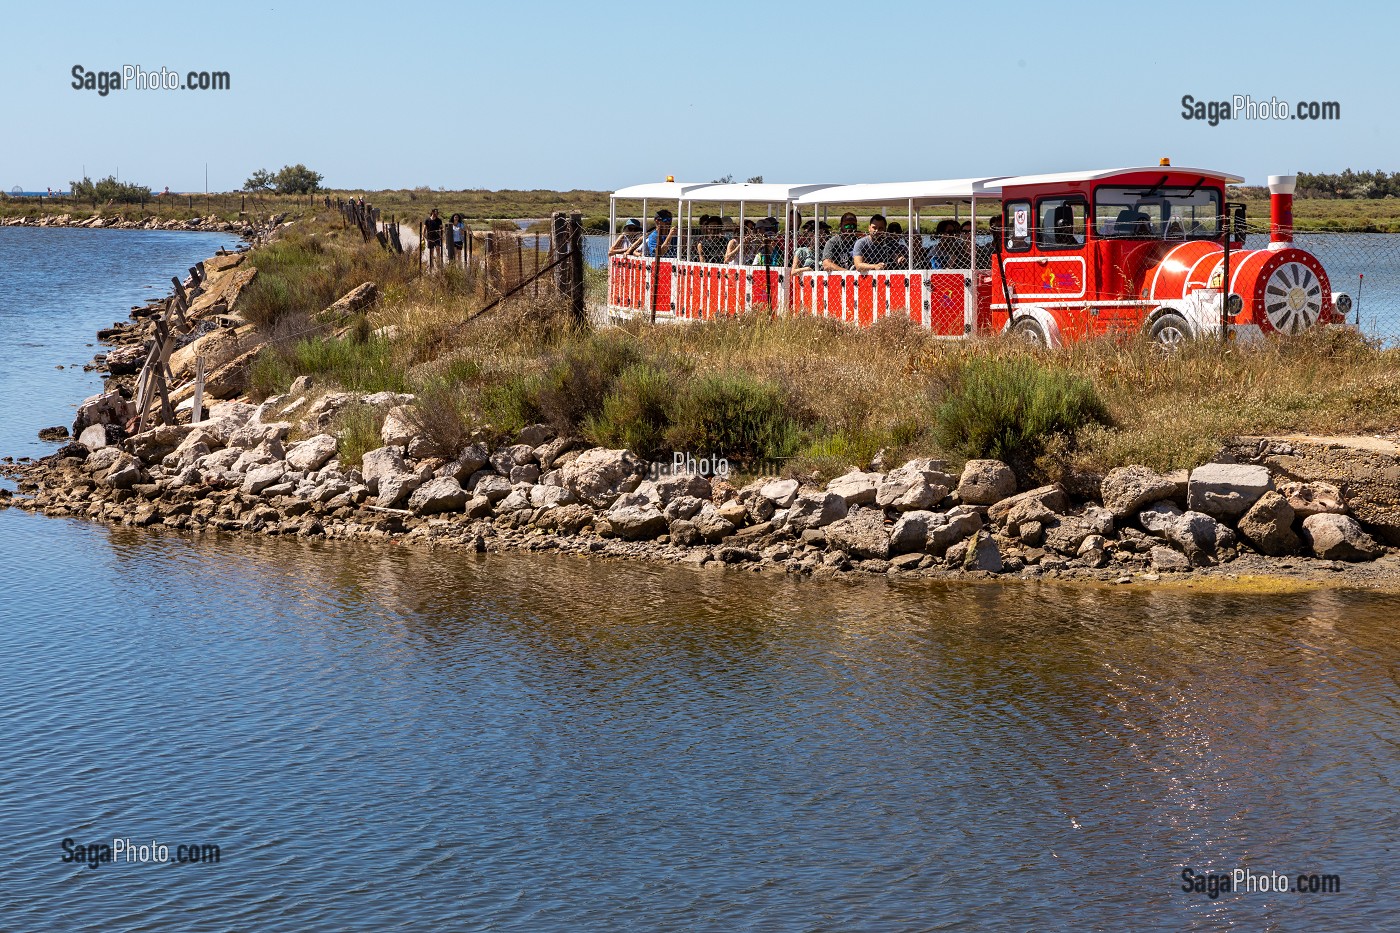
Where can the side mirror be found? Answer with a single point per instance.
(1239, 225)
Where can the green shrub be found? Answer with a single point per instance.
(635, 412)
(1009, 409)
(734, 415)
(575, 387)
(512, 404)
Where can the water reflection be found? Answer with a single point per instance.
(546, 742)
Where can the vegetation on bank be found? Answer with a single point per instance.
(1380, 215)
(793, 395)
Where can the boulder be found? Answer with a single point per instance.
(1052, 497)
(781, 492)
(599, 476)
(1128, 490)
(566, 519)
(312, 454)
(1268, 526)
(636, 522)
(911, 531)
(152, 446)
(493, 487)
(1026, 513)
(986, 482)
(383, 461)
(352, 302)
(535, 434)
(682, 485)
(472, 458)
(97, 436)
(127, 360)
(399, 429)
(683, 507)
(1157, 518)
(735, 511)
(907, 489)
(1093, 550)
(508, 458)
(711, 523)
(856, 487)
(252, 434)
(395, 488)
(442, 494)
(260, 478)
(961, 522)
(1339, 537)
(525, 473)
(860, 534)
(1227, 490)
(550, 451)
(815, 510)
(548, 497)
(982, 554)
(1313, 498)
(1067, 535)
(1164, 558)
(685, 534)
(125, 472)
(218, 347)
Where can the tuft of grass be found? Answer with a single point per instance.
(575, 388)
(1010, 409)
(357, 428)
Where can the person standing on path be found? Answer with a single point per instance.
(432, 236)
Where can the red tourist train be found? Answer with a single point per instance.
(1071, 255)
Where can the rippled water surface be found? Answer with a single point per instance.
(381, 738)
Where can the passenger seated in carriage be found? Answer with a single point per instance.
(877, 250)
(837, 251)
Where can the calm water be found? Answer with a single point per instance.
(387, 739)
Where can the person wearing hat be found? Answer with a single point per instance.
(663, 233)
(769, 246)
(629, 240)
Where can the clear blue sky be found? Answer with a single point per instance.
(600, 95)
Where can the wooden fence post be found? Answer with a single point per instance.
(576, 292)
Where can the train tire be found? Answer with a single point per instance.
(1029, 330)
(1169, 331)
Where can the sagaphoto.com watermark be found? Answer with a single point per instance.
(1245, 107)
(134, 77)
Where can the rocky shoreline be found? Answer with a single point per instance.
(1269, 507)
(96, 221)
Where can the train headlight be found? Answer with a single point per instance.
(1234, 304)
(1342, 304)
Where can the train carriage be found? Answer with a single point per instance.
(1070, 255)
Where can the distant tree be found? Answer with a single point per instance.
(727, 179)
(261, 180)
(297, 179)
(756, 180)
(109, 189)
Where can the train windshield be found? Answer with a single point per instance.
(1157, 212)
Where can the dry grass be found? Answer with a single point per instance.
(845, 393)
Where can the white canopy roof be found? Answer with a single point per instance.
(900, 192)
(661, 190)
(1057, 178)
(769, 192)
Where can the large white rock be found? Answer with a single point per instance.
(815, 510)
(1227, 490)
(985, 482)
(442, 494)
(856, 487)
(399, 429)
(312, 453)
(599, 476)
(1128, 490)
(381, 462)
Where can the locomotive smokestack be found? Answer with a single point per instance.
(1281, 210)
